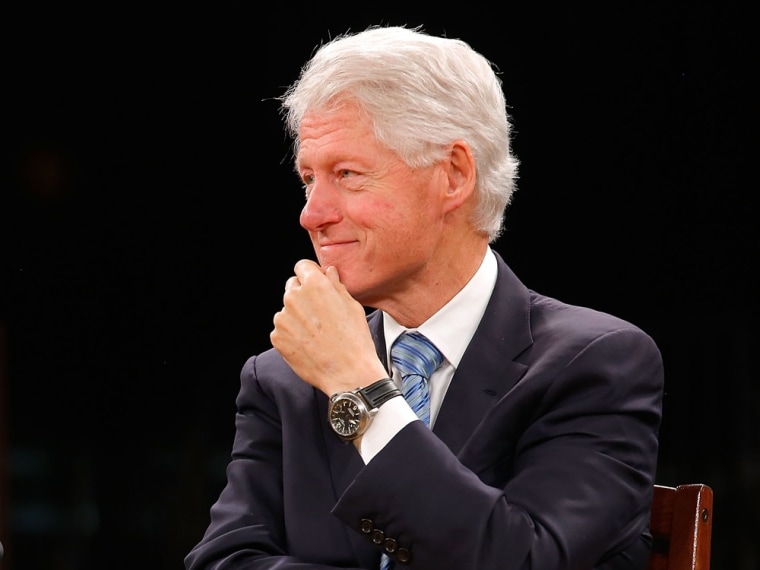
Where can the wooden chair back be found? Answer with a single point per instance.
(681, 527)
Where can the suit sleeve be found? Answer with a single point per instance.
(247, 528)
(572, 487)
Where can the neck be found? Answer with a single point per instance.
(428, 292)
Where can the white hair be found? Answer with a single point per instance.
(421, 92)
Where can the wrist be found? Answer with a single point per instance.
(350, 413)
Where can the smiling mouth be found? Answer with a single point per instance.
(334, 251)
(331, 244)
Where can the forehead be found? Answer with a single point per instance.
(334, 129)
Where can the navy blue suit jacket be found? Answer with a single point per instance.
(543, 456)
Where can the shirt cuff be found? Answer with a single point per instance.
(389, 419)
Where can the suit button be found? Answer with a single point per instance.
(366, 526)
(390, 545)
(378, 536)
(404, 555)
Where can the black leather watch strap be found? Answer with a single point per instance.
(377, 393)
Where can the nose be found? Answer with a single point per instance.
(322, 207)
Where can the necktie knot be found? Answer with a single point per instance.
(416, 358)
(413, 353)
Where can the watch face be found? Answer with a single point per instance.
(346, 417)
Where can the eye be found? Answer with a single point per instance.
(307, 180)
(345, 173)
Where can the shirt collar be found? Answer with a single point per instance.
(452, 327)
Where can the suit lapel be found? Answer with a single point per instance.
(488, 369)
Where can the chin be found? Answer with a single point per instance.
(357, 289)
(364, 295)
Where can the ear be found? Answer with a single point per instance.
(461, 175)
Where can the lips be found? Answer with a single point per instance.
(330, 252)
(324, 243)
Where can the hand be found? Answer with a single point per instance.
(322, 332)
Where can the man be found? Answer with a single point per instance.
(542, 439)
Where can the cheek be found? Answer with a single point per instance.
(373, 215)
(401, 229)
(397, 221)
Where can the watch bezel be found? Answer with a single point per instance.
(368, 399)
(365, 414)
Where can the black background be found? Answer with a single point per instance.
(149, 220)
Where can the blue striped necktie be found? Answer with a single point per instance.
(416, 358)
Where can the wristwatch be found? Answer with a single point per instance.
(350, 413)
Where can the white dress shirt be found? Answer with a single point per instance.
(451, 330)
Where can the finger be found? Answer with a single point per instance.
(306, 267)
(332, 274)
(292, 283)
